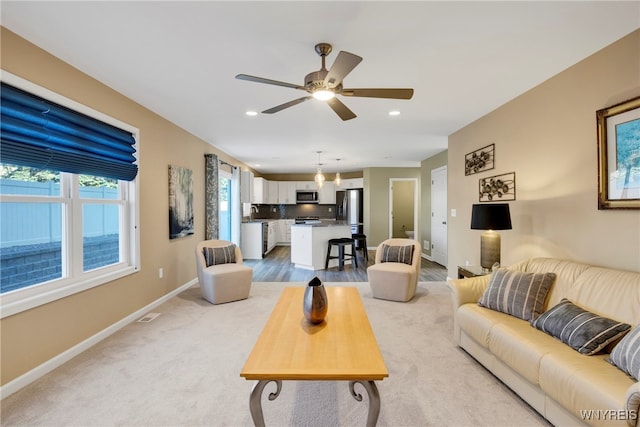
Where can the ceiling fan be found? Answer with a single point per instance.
(326, 84)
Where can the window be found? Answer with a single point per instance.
(61, 232)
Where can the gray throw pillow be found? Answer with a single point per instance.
(221, 255)
(626, 354)
(403, 253)
(517, 293)
(580, 329)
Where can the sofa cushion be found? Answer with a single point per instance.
(521, 347)
(478, 321)
(626, 355)
(219, 255)
(517, 293)
(582, 330)
(399, 253)
(583, 383)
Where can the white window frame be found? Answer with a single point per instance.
(73, 279)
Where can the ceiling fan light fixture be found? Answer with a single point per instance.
(251, 113)
(323, 94)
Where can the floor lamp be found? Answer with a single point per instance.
(490, 217)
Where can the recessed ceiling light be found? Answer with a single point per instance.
(251, 113)
(394, 113)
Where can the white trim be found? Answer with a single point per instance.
(427, 257)
(53, 363)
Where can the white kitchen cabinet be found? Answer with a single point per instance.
(327, 194)
(352, 183)
(287, 230)
(287, 192)
(246, 187)
(260, 191)
(251, 239)
(272, 195)
(306, 185)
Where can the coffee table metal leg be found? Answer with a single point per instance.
(255, 401)
(374, 399)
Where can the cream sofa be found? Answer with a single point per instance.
(557, 381)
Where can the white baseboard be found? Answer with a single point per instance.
(51, 364)
(427, 257)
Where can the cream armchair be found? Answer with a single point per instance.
(226, 279)
(394, 276)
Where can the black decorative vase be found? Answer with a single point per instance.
(315, 302)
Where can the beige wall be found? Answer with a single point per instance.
(426, 166)
(33, 337)
(376, 200)
(548, 137)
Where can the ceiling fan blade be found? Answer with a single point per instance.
(345, 62)
(341, 110)
(268, 81)
(379, 93)
(287, 105)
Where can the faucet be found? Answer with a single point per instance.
(254, 209)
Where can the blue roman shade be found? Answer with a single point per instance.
(39, 133)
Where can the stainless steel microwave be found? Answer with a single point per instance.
(306, 196)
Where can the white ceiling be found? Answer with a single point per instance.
(463, 59)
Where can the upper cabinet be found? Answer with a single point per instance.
(351, 183)
(272, 195)
(260, 191)
(287, 192)
(306, 185)
(246, 187)
(327, 194)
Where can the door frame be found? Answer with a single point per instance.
(432, 219)
(415, 205)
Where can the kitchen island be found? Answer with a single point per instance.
(309, 243)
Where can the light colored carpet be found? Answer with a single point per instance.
(182, 369)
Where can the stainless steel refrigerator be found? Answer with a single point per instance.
(349, 208)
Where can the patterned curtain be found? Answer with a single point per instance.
(211, 197)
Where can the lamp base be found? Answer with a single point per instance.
(489, 249)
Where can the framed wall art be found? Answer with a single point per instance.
(619, 156)
(479, 160)
(180, 202)
(498, 188)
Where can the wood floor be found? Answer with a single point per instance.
(277, 267)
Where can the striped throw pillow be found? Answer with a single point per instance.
(517, 293)
(626, 354)
(580, 329)
(221, 255)
(402, 253)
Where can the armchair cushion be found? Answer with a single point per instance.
(582, 330)
(403, 254)
(219, 255)
(517, 293)
(626, 354)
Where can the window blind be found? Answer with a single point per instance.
(39, 133)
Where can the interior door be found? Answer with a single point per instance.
(439, 215)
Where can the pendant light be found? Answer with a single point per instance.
(338, 180)
(319, 178)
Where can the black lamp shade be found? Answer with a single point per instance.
(492, 216)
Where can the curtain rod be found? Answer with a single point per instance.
(228, 164)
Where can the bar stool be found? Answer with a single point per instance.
(341, 243)
(361, 239)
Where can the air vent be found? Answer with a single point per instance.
(148, 317)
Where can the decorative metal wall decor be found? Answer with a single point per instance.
(619, 156)
(180, 202)
(479, 160)
(498, 188)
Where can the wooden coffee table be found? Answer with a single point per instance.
(342, 348)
